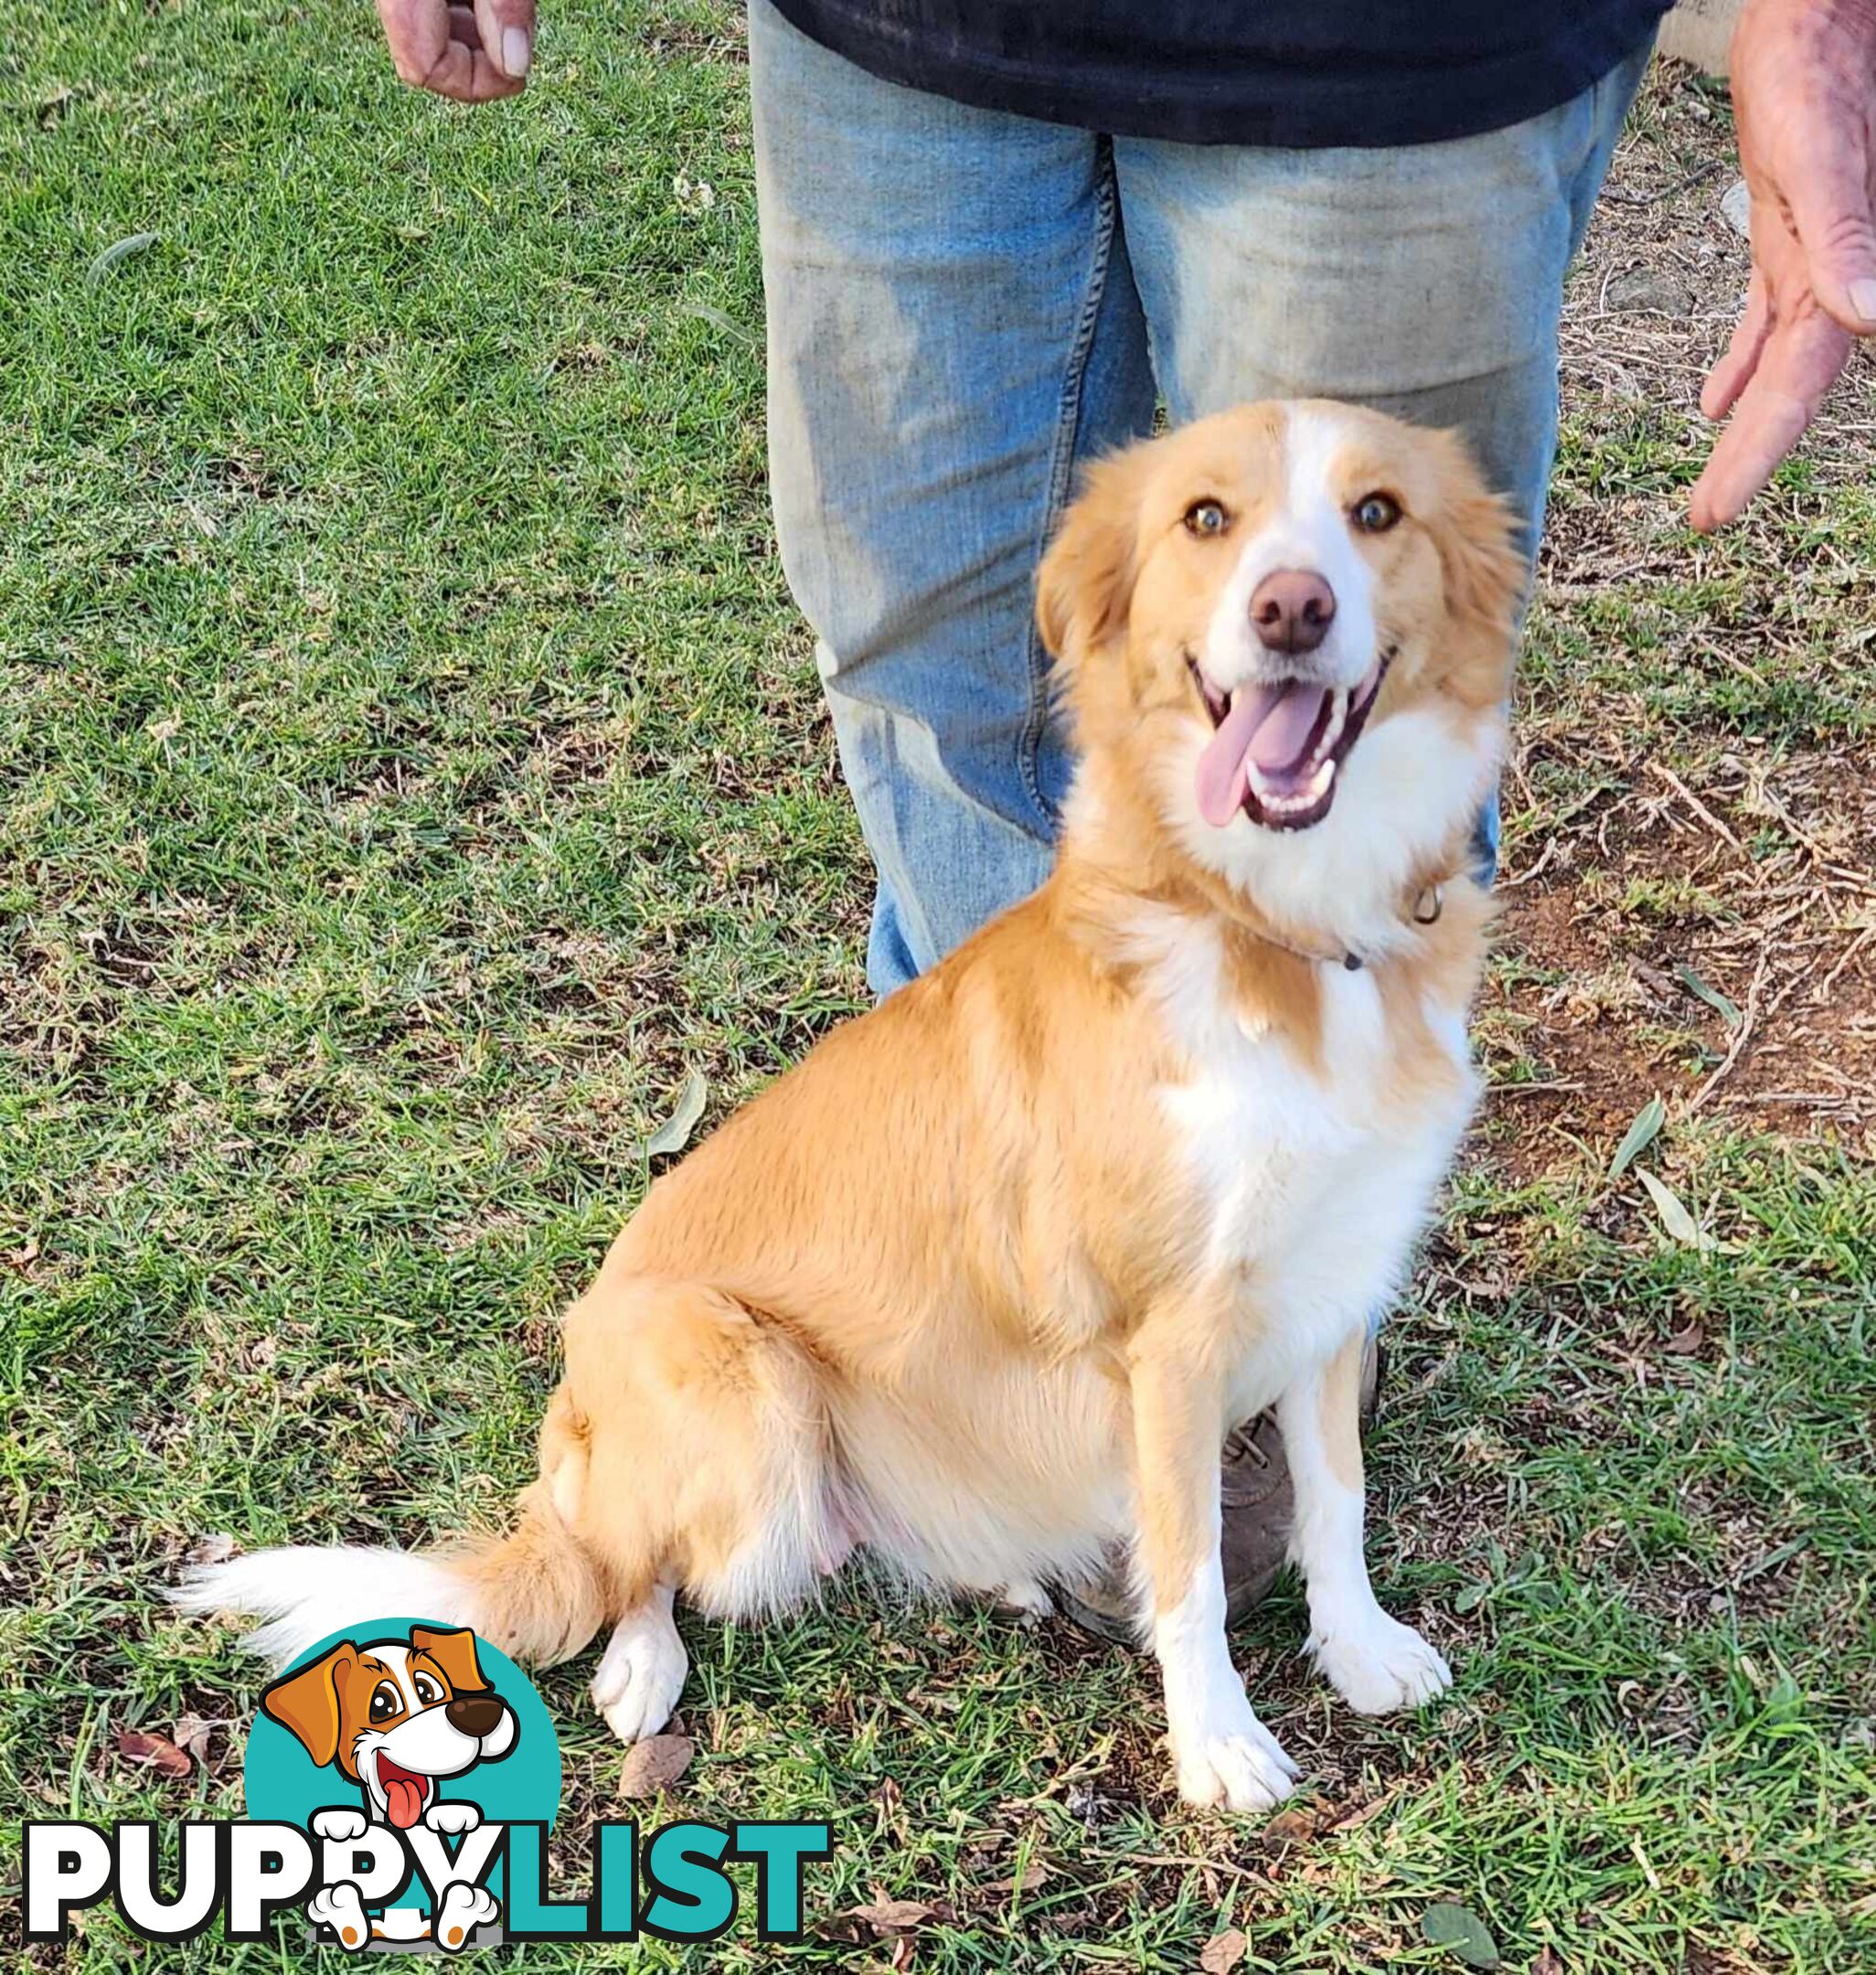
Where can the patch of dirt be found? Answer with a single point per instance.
(1715, 944)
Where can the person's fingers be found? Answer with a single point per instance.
(1728, 378)
(1825, 178)
(1800, 361)
(506, 27)
(466, 75)
(418, 35)
(443, 48)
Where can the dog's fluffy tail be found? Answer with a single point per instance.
(535, 1593)
(304, 1594)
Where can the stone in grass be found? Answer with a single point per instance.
(1649, 291)
(1736, 208)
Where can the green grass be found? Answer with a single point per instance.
(412, 768)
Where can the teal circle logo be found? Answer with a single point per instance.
(403, 1725)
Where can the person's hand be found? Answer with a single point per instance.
(1804, 98)
(472, 54)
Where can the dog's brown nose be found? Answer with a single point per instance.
(1291, 610)
(476, 1714)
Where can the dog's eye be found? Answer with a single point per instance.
(386, 1700)
(428, 1692)
(1375, 513)
(1207, 517)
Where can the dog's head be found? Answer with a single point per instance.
(394, 1717)
(1290, 626)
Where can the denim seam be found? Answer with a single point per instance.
(1060, 468)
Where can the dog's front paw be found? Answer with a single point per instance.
(1379, 1666)
(639, 1678)
(340, 1826)
(1238, 1765)
(451, 1818)
(339, 1907)
(463, 1910)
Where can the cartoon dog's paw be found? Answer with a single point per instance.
(338, 1825)
(451, 1818)
(464, 1908)
(1378, 1665)
(339, 1907)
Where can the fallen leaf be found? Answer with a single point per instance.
(24, 1257)
(654, 1764)
(1026, 1880)
(192, 1733)
(154, 1751)
(1461, 1929)
(1223, 1952)
(892, 1916)
(133, 243)
(1771, 1559)
(1726, 1011)
(902, 1952)
(674, 1134)
(1549, 1962)
(1366, 1813)
(1675, 1218)
(1639, 1135)
(1291, 1827)
(216, 1549)
(1685, 1343)
(738, 332)
(888, 1817)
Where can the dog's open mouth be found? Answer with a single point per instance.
(1277, 748)
(405, 1792)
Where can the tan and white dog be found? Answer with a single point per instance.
(979, 1286)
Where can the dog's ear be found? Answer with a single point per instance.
(1484, 569)
(455, 1652)
(306, 1703)
(1085, 586)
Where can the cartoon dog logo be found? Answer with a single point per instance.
(398, 1719)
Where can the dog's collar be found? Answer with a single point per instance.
(1429, 902)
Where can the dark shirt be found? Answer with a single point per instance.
(1243, 72)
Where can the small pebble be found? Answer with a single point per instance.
(1651, 291)
(1736, 209)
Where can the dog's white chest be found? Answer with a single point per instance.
(1311, 1186)
(1263, 1138)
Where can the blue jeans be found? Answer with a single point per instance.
(964, 305)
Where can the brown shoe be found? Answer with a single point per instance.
(1255, 1498)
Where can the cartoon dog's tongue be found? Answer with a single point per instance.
(403, 1793)
(1271, 725)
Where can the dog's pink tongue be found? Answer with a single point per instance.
(403, 1800)
(1270, 725)
(1283, 737)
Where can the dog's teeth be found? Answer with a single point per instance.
(1338, 713)
(1293, 802)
